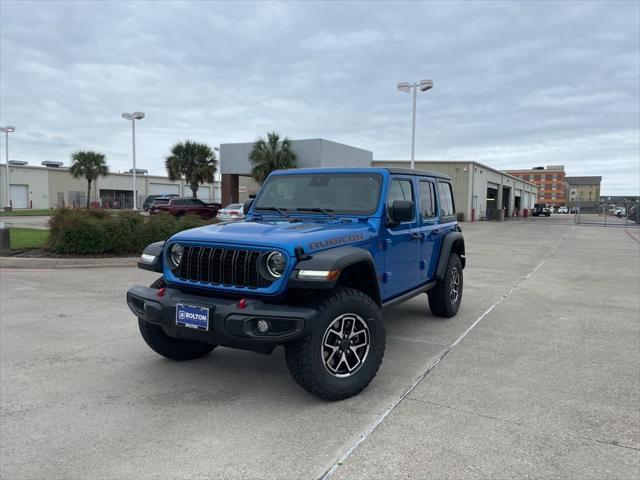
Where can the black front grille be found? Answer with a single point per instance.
(229, 267)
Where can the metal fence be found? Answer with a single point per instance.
(624, 215)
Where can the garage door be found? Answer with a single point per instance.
(163, 188)
(19, 195)
(204, 193)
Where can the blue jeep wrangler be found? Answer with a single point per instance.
(320, 253)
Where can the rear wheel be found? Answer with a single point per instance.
(341, 357)
(445, 297)
(169, 347)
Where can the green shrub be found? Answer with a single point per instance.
(125, 232)
(159, 227)
(77, 231)
(96, 231)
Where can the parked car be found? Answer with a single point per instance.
(634, 213)
(321, 252)
(231, 212)
(563, 210)
(541, 209)
(618, 212)
(150, 199)
(183, 205)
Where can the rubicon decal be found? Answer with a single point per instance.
(333, 242)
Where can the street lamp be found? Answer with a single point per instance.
(219, 171)
(423, 85)
(133, 117)
(7, 130)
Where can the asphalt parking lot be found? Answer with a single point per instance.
(537, 376)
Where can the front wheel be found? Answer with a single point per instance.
(445, 297)
(343, 354)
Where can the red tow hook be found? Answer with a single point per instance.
(242, 303)
(160, 292)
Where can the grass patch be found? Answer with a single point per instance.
(27, 238)
(28, 213)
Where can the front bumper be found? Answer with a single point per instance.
(229, 325)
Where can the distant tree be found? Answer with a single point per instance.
(271, 154)
(195, 162)
(89, 165)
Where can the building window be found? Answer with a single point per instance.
(531, 178)
(542, 186)
(543, 177)
(553, 186)
(555, 177)
(553, 196)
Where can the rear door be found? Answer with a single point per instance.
(402, 255)
(430, 227)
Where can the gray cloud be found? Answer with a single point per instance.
(517, 84)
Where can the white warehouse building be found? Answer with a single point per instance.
(52, 186)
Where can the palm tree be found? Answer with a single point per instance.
(195, 162)
(90, 165)
(271, 154)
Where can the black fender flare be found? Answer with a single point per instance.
(155, 250)
(334, 259)
(445, 249)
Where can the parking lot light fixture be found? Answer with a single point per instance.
(412, 88)
(7, 130)
(133, 117)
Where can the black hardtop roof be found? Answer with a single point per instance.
(422, 173)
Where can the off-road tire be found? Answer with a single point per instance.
(440, 301)
(305, 358)
(169, 347)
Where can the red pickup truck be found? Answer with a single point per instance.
(184, 205)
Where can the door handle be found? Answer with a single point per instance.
(434, 232)
(416, 236)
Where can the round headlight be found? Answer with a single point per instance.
(176, 255)
(276, 263)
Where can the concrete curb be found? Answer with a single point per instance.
(36, 263)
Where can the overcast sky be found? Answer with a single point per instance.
(517, 85)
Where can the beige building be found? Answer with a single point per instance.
(584, 191)
(53, 186)
(480, 192)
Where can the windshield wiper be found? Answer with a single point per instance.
(326, 211)
(281, 211)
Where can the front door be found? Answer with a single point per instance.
(402, 256)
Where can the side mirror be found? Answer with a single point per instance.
(401, 211)
(247, 205)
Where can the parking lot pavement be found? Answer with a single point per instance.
(546, 384)
(41, 223)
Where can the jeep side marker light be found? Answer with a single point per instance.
(318, 274)
(146, 258)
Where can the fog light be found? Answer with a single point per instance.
(263, 326)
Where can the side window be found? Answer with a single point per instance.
(427, 199)
(400, 189)
(197, 202)
(445, 196)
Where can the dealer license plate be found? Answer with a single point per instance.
(191, 316)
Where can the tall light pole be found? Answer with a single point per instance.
(423, 85)
(7, 130)
(217, 149)
(133, 117)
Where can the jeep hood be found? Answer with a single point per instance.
(310, 235)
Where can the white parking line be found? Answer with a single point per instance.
(370, 429)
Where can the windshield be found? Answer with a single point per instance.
(350, 193)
